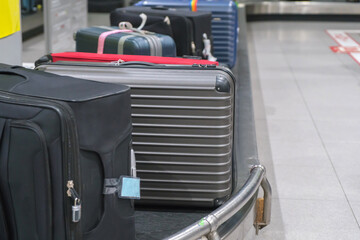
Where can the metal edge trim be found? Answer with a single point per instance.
(302, 8)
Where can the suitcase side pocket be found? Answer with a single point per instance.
(25, 180)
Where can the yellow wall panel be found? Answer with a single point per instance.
(9, 17)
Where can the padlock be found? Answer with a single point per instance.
(76, 211)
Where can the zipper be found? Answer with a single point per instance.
(70, 144)
(208, 67)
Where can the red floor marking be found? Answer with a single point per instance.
(346, 44)
(341, 49)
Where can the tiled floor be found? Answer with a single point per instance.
(307, 107)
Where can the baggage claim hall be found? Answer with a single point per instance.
(179, 120)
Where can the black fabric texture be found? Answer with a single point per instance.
(186, 26)
(31, 156)
(153, 23)
(104, 6)
(3, 223)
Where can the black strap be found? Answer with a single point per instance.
(111, 186)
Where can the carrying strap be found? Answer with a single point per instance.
(207, 49)
(153, 40)
(111, 185)
(143, 22)
(104, 35)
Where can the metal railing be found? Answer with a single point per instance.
(208, 225)
(302, 8)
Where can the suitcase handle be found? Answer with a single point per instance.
(159, 8)
(15, 72)
(136, 63)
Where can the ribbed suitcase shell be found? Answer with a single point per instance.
(224, 24)
(183, 128)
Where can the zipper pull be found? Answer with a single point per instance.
(167, 20)
(203, 65)
(193, 47)
(76, 207)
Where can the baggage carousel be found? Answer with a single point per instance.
(261, 26)
(235, 219)
(257, 22)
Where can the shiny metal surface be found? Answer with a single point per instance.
(267, 201)
(209, 224)
(214, 236)
(303, 8)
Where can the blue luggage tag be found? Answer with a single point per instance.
(129, 187)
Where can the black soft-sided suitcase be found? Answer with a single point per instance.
(59, 135)
(156, 24)
(3, 225)
(104, 6)
(187, 27)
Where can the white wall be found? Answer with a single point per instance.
(11, 49)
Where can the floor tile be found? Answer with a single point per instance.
(311, 220)
(286, 104)
(344, 154)
(299, 153)
(355, 206)
(350, 180)
(307, 182)
(339, 130)
(292, 131)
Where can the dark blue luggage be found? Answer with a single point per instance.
(127, 41)
(224, 23)
(28, 6)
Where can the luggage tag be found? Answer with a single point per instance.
(129, 187)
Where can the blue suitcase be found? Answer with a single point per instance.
(124, 41)
(28, 6)
(224, 23)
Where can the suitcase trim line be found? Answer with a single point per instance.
(187, 181)
(186, 163)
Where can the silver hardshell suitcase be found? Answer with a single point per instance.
(182, 127)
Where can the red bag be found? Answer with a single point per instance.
(94, 57)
